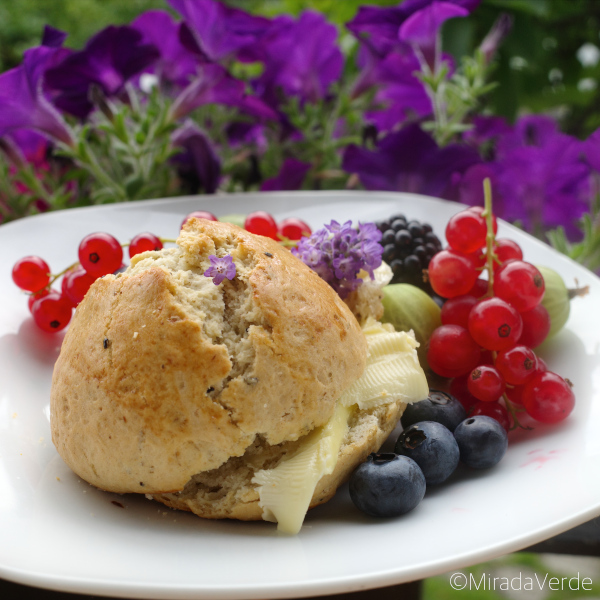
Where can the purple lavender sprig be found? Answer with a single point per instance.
(337, 253)
(221, 268)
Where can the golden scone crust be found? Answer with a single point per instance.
(163, 375)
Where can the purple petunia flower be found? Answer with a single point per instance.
(290, 177)
(410, 161)
(110, 58)
(220, 268)
(53, 38)
(297, 63)
(422, 29)
(213, 84)
(218, 31)
(198, 164)
(176, 65)
(539, 177)
(401, 95)
(22, 101)
(337, 253)
(393, 42)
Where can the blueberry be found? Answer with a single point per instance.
(482, 442)
(433, 447)
(438, 406)
(387, 485)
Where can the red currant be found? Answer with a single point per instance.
(198, 214)
(536, 326)
(31, 273)
(466, 232)
(100, 254)
(76, 283)
(144, 242)
(36, 296)
(452, 351)
(261, 223)
(541, 365)
(515, 394)
(517, 364)
(460, 390)
(507, 250)
(548, 398)
(456, 310)
(479, 210)
(451, 273)
(486, 383)
(494, 324)
(479, 289)
(293, 229)
(52, 312)
(494, 410)
(520, 284)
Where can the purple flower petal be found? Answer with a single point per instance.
(540, 177)
(199, 163)
(421, 29)
(297, 64)
(290, 177)
(53, 38)
(214, 85)
(410, 161)
(22, 102)
(109, 60)
(220, 31)
(400, 93)
(175, 65)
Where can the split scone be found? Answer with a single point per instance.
(251, 399)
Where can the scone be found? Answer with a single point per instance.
(172, 386)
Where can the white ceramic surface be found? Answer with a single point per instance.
(58, 532)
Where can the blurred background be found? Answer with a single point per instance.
(549, 63)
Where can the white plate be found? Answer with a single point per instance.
(58, 532)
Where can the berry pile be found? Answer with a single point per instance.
(262, 223)
(490, 327)
(408, 247)
(99, 254)
(437, 436)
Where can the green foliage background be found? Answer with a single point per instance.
(537, 69)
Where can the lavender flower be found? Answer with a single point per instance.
(337, 253)
(110, 58)
(22, 101)
(221, 268)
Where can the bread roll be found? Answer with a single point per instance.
(163, 375)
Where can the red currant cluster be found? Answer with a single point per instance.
(262, 223)
(489, 326)
(99, 254)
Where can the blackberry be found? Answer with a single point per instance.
(408, 246)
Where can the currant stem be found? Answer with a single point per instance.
(490, 238)
(513, 414)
